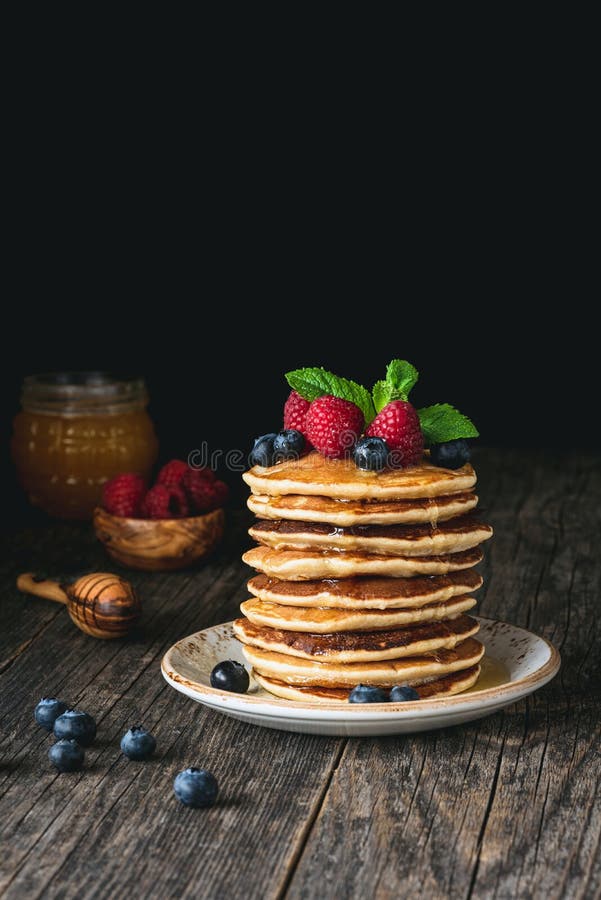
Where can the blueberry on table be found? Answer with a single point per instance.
(230, 675)
(451, 454)
(367, 693)
(76, 725)
(262, 452)
(66, 755)
(288, 444)
(47, 711)
(370, 453)
(137, 743)
(402, 692)
(196, 787)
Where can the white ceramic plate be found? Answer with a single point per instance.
(526, 661)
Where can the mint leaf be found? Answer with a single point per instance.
(442, 422)
(401, 376)
(381, 392)
(313, 383)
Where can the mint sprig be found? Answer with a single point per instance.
(442, 422)
(401, 377)
(439, 423)
(316, 382)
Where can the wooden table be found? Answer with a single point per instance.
(505, 807)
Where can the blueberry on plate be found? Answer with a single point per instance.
(451, 454)
(288, 444)
(370, 453)
(66, 755)
(137, 743)
(367, 693)
(196, 787)
(402, 692)
(47, 711)
(76, 725)
(262, 452)
(230, 675)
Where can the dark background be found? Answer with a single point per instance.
(213, 245)
(215, 374)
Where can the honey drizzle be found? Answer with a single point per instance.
(493, 673)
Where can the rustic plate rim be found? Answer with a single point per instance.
(503, 694)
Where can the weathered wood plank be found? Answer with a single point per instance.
(270, 783)
(93, 675)
(508, 807)
(110, 822)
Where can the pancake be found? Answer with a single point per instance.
(300, 565)
(386, 673)
(366, 593)
(341, 479)
(439, 687)
(301, 508)
(359, 646)
(387, 540)
(326, 621)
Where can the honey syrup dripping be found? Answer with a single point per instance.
(493, 673)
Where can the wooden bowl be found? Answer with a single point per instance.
(157, 545)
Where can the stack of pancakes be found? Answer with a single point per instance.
(365, 577)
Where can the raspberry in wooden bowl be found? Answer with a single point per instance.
(175, 524)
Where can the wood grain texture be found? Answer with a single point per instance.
(104, 605)
(159, 545)
(126, 812)
(506, 807)
(101, 604)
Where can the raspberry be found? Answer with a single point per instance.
(205, 493)
(221, 492)
(172, 472)
(204, 472)
(398, 424)
(333, 425)
(123, 494)
(295, 413)
(164, 502)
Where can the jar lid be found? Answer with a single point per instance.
(83, 393)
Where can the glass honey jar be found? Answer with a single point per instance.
(75, 431)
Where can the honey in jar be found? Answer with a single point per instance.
(75, 431)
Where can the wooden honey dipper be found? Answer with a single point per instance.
(103, 605)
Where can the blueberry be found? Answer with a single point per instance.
(137, 743)
(288, 444)
(450, 455)
(76, 725)
(66, 755)
(367, 693)
(196, 787)
(402, 692)
(262, 452)
(230, 675)
(370, 453)
(47, 710)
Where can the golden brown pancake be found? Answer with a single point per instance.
(341, 479)
(439, 687)
(407, 670)
(325, 621)
(300, 565)
(361, 646)
(388, 540)
(362, 512)
(366, 593)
